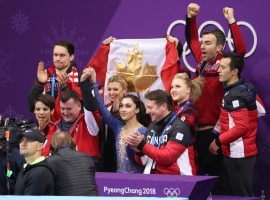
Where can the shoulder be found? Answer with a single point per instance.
(240, 96)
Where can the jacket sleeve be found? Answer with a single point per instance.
(241, 124)
(89, 101)
(36, 90)
(108, 118)
(239, 43)
(165, 156)
(192, 37)
(90, 106)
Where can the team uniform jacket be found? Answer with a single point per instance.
(189, 116)
(49, 131)
(238, 121)
(84, 130)
(39, 88)
(86, 140)
(172, 156)
(209, 104)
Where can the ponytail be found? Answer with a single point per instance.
(195, 85)
(196, 89)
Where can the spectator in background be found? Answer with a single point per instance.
(35, 178)
(62, 76)
(74, 172)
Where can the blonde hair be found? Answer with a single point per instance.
(119, 79)
(61, 139)
(195, 85)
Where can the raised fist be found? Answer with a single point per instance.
(193, 10)
(228, 14)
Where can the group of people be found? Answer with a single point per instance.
(78, 134)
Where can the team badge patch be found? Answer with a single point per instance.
(235, 103)
(179, 136)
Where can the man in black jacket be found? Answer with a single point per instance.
(74, 172)
(35, 178)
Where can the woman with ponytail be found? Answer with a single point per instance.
(185, 92)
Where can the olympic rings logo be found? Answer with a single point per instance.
(172, 192)
(228, 38)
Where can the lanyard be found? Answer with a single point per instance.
(165, 128)
(53, 84)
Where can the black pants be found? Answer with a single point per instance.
(208, 163)
(237, 176)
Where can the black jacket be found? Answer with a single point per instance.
(74, 172)
(36, 179)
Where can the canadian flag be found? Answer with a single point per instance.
(147, 64)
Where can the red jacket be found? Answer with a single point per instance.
(72, 84)
(209, 104)
(49, 131)
(85, 141)
(238, 121)
(172, 157)
(189, 116)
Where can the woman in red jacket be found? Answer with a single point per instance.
(185, 92)
(43, 110)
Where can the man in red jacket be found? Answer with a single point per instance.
(163, 149)
(207, 53)
(238, 128)
(62, 76)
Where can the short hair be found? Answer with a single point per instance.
(47, 100)
(70, 94)
(67, 44)
(220, 36)
(160, 97)
(61, 139)
(237, 61)
(141, 115)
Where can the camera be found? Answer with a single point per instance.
(14, 126)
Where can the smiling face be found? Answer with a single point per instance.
(209, 47)
(70, 110)
(127, 109)
(61, 57)
(42, 113)
(156, 112)
(179, 90)
(115, 91)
